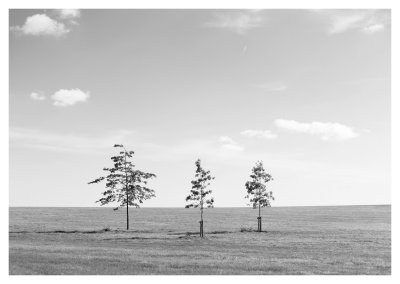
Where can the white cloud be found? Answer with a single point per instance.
(69, 97)
(233, 147)
(69, 13)
(324, 130)
(374, 28)
(226, 139)
(368, 21)
(41, 25)
(37, 96)
(267, 134)
(272, 86)
(342, 23)
(229, 144)
(239, 21)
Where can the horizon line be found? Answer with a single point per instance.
(176, 207)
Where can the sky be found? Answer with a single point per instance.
(305, 91)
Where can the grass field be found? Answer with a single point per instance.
(296, 240)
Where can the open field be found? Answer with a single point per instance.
(297, 240)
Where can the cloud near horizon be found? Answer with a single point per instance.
(74, 142)
(69, 97)
(67, 142)
(324, 130)
(229, 144)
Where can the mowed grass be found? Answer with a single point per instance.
(296, 240)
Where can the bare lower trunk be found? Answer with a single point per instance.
(127, 196)
(201, 215)
(201, 229)
(259, 216)
(127, 217)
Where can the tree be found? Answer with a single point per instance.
(125, 185)
(198, 194)
(257, 190)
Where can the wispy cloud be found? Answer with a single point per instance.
(69, 97)
(342, 22)
(37, 96)
(222, 149)
(374, 28)
(272, 86)
(266, 134)
(41, 25)
(68, 142)
(366, 80)
(188, 149)
(229, 144)
(367, 21)
(324, 130)
(69, 13)
(238, 21)
(213, 152)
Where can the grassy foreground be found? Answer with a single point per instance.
(297, 240)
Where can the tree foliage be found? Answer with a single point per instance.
(125, 185)
(198, 194)
(257, 189)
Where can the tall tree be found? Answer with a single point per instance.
(124, 184)
(198, 194)
(257, 189)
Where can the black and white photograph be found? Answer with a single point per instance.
(199, 141)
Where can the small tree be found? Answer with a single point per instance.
(257, 190)
(198, 194)
(125, 185)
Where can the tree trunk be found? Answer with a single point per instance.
(201, 220)
(127, 217)
(259, 216)
(201, 213)
(201, 229)
(127, 196)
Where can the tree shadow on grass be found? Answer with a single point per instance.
(105, 230)
(181, 235)
(187, 235)
(242, 230)
(251, 230)
(63, 232)
(206, 233)
(136, 238)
